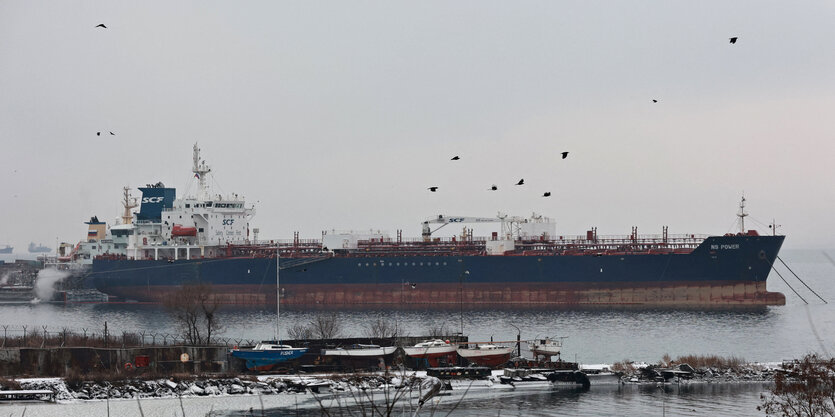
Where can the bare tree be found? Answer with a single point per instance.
(300, 332)
(194, 307)
(326, 326)
(438, 330)
(381, 329)
(805, 388)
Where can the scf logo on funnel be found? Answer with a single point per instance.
(152, 199)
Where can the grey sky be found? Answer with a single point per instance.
(340, 114)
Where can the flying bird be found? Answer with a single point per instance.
(455, 158)
(414, 286)
(433, 189)
(654, 100)
(493, 187)
(98, 133)
(112, 134)
(564, 155)
(733, 40)
(547, 194)
(101, 25)
(521, 182)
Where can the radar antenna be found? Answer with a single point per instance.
(742, 214)
(200, 169)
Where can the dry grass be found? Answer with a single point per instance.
(624, 366)
(712, 361)
(8, 384)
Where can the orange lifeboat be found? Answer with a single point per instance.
(179, 230)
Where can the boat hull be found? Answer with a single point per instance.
(708, 276)
(492, 358)
(432, 356)
(264, 360)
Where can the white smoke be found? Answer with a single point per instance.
(45, 283)
(5, 278)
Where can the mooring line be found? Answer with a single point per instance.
(801, 281)
(789, 285)
(815, 332)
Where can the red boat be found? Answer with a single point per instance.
(432, 351)
(487, 355)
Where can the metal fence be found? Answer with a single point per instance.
(40, 336)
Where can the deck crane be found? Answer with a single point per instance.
(444, 220)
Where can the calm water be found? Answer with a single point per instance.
(769, 334)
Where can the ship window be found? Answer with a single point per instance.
(366, 264)
(359, 264)
(398, 264)
(444, 263)
(413, 264)
(200, 230)
(436, 264)
(188, 205)
(421, 264)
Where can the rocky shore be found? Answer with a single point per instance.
(270, 385)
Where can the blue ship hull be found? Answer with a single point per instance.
(266, 360)
(722, 270)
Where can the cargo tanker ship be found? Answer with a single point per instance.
(205, 239)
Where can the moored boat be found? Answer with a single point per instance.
(432, 352)
(266, 356)
(545, 347)
(361, 351)
(206, 238)
(486, 354)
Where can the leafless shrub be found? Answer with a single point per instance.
(326, 326)
(806, 388)
(300, 332)
(381, 329)
(194, 307)
(438, 330)
(666, 360)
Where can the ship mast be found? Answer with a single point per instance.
(742, 214)
(200, 169)
(277, 294)
(128, 203)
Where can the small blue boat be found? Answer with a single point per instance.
(266, 356)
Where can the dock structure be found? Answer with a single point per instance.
(28, 395)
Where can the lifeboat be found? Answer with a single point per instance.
(179, 230)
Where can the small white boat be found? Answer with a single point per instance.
(545, 347)
(365, 351)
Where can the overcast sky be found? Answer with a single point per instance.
(340, 114)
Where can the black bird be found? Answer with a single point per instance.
(98, 133)
(455, 158)
(654, 101)
(493, 187)
(547, 194)
(733, 40)
(564, 155)
(112, 134)
(521, 182)
(433, 189)
(101, 25)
